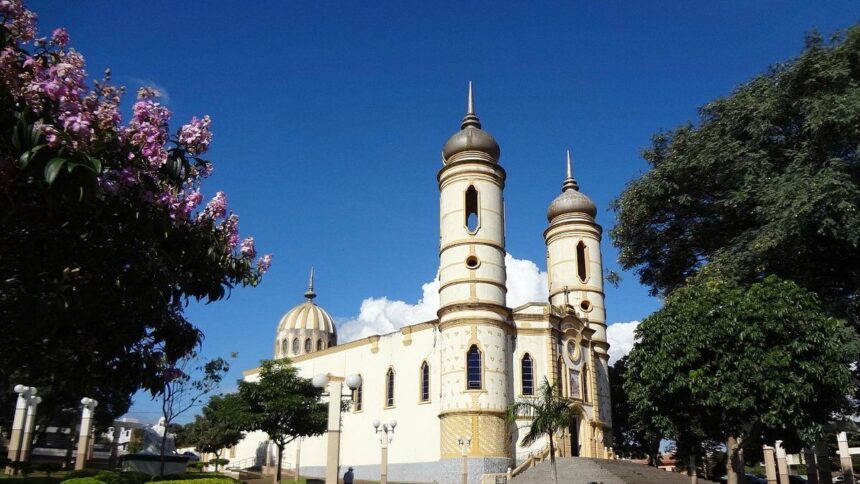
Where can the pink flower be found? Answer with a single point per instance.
(60, 37)
(230, 229)
(216, 208)
(196, 135)
(264, 263)
(247, 248)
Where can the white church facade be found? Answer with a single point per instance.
(452, 378)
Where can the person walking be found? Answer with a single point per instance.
(348, 476)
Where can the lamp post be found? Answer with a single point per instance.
(16, 439)
(386, 432)
(465, 443)
(89, 405)
(29, 424)
(334, 386)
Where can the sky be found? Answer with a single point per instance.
(329, 120)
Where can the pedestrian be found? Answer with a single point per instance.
(348, 477)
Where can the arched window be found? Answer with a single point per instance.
(581, 263)
(473, 368)
(528, 375)
(584, 383)
(389, 388)
(296, 346)
(358, 398)
(558, 381)
(308, 345)
(425, 382)
(284, 347)
(319, 345)
(472, 221)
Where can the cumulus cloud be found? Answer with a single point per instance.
(163, 95)
(380, 315)
(621, 337)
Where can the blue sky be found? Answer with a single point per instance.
(329, 118)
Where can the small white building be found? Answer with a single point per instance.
(454, 377)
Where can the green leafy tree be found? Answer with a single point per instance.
(767, 182)
(105, 236)
(724, 362)
(549, 412)
(217, 429)
(631, 439)
(282, 404)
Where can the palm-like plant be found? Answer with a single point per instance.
(550, 412)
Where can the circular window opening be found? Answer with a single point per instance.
(472, 262)
(585, 306)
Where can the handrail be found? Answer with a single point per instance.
(530, 461)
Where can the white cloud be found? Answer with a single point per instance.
(163, 95)
(621, 337)
(380, 315)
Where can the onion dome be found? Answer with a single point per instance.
(571, 199)
(305, 328)
(471, 137)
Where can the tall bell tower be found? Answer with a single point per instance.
(575, 270)
(474, 320)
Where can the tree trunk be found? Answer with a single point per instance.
(734, 462)
(278, 467)
(694, 476)
(163, 445)
(217, 459)
(552, 459)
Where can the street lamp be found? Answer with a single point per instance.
(386, 432)
(465, 443)
(16, 441)
(334, 386)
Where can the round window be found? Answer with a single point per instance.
(586, 306)
(472, 262)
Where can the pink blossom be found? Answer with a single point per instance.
(247, 249)
(196, 135)
(230, 229)
(216, 208)
(147, 130)
(60, 37)
(264, 263)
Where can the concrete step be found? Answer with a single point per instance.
(580, 470)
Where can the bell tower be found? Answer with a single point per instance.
(575, 270)
(474, 320)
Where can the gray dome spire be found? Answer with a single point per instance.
(471, 137)
(571, 199)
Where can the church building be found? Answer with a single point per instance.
(448, 382)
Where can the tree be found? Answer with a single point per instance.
(103, 243)
(217, 428)
(767, 182)
(724, 362)
(549, 412)
(283, 405)
(185, 384)
(631, 439)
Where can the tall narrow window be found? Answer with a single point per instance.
(584, 383)
(319, 345)
(581, 262)
(284, 347)
(425, 382)
(473, 368)
(528, 376)
(357, 397)
(389, 388)
(472, 209)
(308, 344)
(296, 346)
(558, 380)
(574, 384)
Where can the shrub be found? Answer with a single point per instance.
(134, 477)
(81, 473)
(206, 480)
(196, 465)
(49, 467)
(82, 480)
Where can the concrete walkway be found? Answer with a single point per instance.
(579, 470)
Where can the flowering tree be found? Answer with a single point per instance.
(104, 239)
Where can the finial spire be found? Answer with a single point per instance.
(569, 182)
(471, 118)
(310, 294)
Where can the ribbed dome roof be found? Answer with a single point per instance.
(471, 137)
(571, 199)
(307, 316)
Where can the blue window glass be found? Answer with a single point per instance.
(528, 376)
(473, 368)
